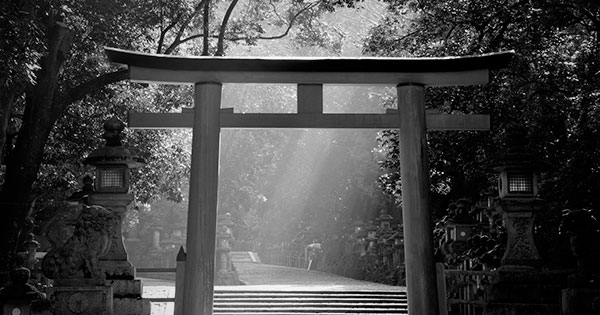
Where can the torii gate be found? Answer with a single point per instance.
(410, 75)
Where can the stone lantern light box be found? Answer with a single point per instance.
(518, 168)
(114, 160)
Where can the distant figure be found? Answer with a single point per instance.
(312, 252)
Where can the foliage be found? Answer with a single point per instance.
(377, 271)
(550, 87)
(55, 84)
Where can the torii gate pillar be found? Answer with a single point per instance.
(416, 215)
(202, 214)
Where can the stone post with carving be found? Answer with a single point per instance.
(225, 274)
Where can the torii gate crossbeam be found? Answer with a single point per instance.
(410, 75)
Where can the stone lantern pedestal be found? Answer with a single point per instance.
(518, 216)
(520, 287)
(115, 264)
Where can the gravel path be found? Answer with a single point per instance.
(260, 275)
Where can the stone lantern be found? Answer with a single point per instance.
(359, 236)
(460, 226)
(225, 274)
(358, 227)
(112, 163)
(519, 287)
(371, 238)
(385, 220)
(518, 201)
(399, 236)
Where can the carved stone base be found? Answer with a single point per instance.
(81, 299)
(577, 301)
(131, 306)
(525, 291)
(115, 269)
(520, 309)
(127, 297)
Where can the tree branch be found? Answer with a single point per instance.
(205, 28)
(286, 32)
(177, 41)
(164, 32)
(223, 28)
(79, 92)
(239, 38)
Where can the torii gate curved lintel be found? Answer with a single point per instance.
(410, 75)
(437, 71)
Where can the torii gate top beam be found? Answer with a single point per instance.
(444, 71)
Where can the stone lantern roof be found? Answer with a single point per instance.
(518, 155)
(114, 152)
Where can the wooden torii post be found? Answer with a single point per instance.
(410, 75)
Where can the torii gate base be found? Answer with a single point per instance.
(207, 73)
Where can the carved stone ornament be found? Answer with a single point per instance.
(78, 257)
(78, 303)
(521, 244)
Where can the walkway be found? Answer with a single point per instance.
(261, 277)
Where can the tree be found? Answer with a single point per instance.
(54, 62)
(551, 87)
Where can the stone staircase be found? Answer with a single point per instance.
(244, 257)
(271, 302)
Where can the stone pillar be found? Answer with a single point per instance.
(156, 239)
(179, 277)
(225, 275)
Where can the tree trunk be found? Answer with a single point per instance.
(7, 96)
(25, 160)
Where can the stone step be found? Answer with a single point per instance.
(309, 310)
(272, 302)
(306, 300)
(245, 257)
(288, 313)
(322, 294)
(328, 304)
